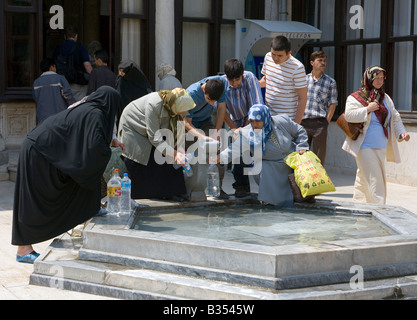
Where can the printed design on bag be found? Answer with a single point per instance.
(310, 175)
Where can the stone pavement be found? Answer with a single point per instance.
(14, 277)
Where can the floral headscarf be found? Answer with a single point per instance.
(176, 102)
(368, 93)
(260, 112)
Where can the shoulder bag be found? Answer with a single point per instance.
(352, 130)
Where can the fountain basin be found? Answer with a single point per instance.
(386, 249)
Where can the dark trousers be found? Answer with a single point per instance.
(317, 136)
(241, 180)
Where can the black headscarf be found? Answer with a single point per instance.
(77, 141)
(134, 84)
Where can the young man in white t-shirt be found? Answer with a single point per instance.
(284, 80)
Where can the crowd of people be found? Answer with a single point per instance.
(63, 159)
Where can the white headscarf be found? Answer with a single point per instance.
(166, 70)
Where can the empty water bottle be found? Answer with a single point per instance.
(114, 193)
(125, 204)
(213, 181)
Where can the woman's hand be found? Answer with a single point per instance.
(301, 152)
(405, 137)
(372, 107)
(180, 158)
(117, 144)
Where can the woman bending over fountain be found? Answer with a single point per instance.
(268, 141)
(144, 129)
(60, 168)
(383, 126)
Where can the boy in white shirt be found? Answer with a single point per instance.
(284, 80)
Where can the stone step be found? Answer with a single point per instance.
(129, 282)
(60, 267)
(182, 269)
(139, 284)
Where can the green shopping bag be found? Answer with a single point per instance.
(115, 162)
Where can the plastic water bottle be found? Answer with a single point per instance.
(114, 193)
(125, 205)
(188, 171)
(213, 181)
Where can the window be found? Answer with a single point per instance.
(19, 52)
(207, 35)
(388, 38)
(131, 30)
(403, 41)
(135, 32)
(321, 14)
(19, 44)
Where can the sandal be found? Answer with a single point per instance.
(102, 212)
(29, 258)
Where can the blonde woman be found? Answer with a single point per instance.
(139, 130)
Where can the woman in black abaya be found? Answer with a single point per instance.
(132, 83)
(60, 168)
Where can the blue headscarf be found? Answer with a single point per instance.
(262, 113)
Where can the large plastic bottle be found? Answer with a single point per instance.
(213, 181)
(125, 204)
(114, 193)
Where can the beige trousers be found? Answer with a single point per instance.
(78, 91)
(370, 185)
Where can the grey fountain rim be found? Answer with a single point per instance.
(289, 266)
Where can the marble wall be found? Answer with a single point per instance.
(17, 119)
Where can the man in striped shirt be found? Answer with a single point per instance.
(321, 105)
(242, 92)
(285, 81)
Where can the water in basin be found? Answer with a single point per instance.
(263, 225)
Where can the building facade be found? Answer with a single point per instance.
(196, 37)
